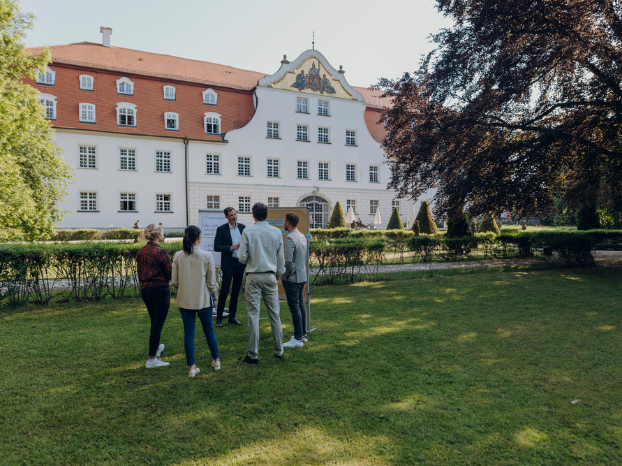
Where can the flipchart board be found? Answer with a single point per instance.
(209, 221)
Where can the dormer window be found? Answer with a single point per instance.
(125, 86)
(171, 121)
(49, 104)
(212, 123)
(47, 77)
(126, 114)
(169, 93)
(86, 82)
(210, 97)
(87, 113)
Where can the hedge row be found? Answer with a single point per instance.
(89, 234)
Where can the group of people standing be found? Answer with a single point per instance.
(256, 254)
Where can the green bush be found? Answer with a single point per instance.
(489, 225)
(337, 219)
(81, 234)
(587, 218)
(426, 221)
(122, 233)
(458, 226)
(395, 222)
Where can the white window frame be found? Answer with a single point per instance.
(374, 174)
(130, 197)
(272, 130)
(302, 105)
(323, 172)
(273, 169)
(126, 106)
(302, 167)
(124, 83)
(164, 157)
(85, 110)
(168, 92)
(131, 159)
(302, 133)
(48, 78)
(90, 155)
(244, 202)
(323, 135)
(49, 98)
(396, 203)
(90, 199)
(351, 203)
(210, 97)
(214, 199)
(351, 138)
(212, 160)
(374, 205)
(214, 119)
(244, 166)
(323, 110)
(351, 172)
(273, 202)
(162, 202)
(171, 116)
(86, 82)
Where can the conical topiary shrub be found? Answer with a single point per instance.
(458, 226)
(426, 221)
(337, 219)
(395, 222)
(489, 225)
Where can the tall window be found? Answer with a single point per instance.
(323, 171)
(127, 159)
(395, 204)
(273, 168)
(86, 82)
(322, 107)
(169, 92)
(302, 133)
(125, 86)
(49, 105)
(88, 201)
(212, 123)
(212, 164)
(273, 202)
(210, 97)
(88, 157)
(303, 170)
(163, 202)
(171, 121)
(373, 174)
(351, 203)
(87, 113)
(127, 202)
(350, 138)
(244, 166)
(322, 135)
(126, 114)
(350, 172)
(302, 105)
(48, 77)
(163, 161)
(318, 211)
(213, 202)
(273, 130)
(244, 204)
(373, 207)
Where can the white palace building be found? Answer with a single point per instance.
(155, 138)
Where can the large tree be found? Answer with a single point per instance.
(33, 176)
(519, 103)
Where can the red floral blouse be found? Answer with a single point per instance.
(154, 266)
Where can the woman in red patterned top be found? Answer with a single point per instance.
(154, 275)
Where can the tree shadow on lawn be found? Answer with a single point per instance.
(458, 370)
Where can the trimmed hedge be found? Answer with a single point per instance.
(89, 234)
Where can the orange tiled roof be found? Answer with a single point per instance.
(93, 55)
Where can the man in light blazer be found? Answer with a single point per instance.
(227, 243)
(294, 278)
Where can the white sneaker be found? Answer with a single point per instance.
(194, 372)
(216, 364)
(293, 343)
(151, 363)
(160, 349)
(305, 339)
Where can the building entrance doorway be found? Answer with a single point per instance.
(318, 211)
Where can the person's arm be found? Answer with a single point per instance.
(244, 253)
(280, 259)
(165, 261)
(218, 246)
(210, 278)
(175, 273)
(289, 252)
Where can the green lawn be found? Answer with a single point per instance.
(474, 368)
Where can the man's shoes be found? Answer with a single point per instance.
(248, 360)
(305, 339)
(281, 356)
(218, 322)
(235, 321)
(151, 363)
(160, 349)
(293, 343)
(194, 372)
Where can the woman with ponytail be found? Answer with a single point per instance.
(194, 277)
(154, 275)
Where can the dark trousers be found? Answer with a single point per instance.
(157, 299)
(234, 272)
(296, 303)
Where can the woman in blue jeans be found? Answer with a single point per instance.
(194, 278)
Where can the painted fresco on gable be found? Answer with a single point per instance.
(312, 81)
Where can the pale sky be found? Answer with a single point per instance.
(371, 39)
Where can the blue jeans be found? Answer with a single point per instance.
(296, 302)
(188, 316)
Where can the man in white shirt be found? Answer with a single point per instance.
(261, 250)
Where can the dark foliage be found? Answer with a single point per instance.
(395, 222)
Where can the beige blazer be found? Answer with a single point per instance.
(194, 278)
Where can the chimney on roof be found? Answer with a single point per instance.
(106, 35)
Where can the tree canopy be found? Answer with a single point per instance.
(33, 176)
(519, 103)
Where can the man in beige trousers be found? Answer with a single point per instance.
(261, 249)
